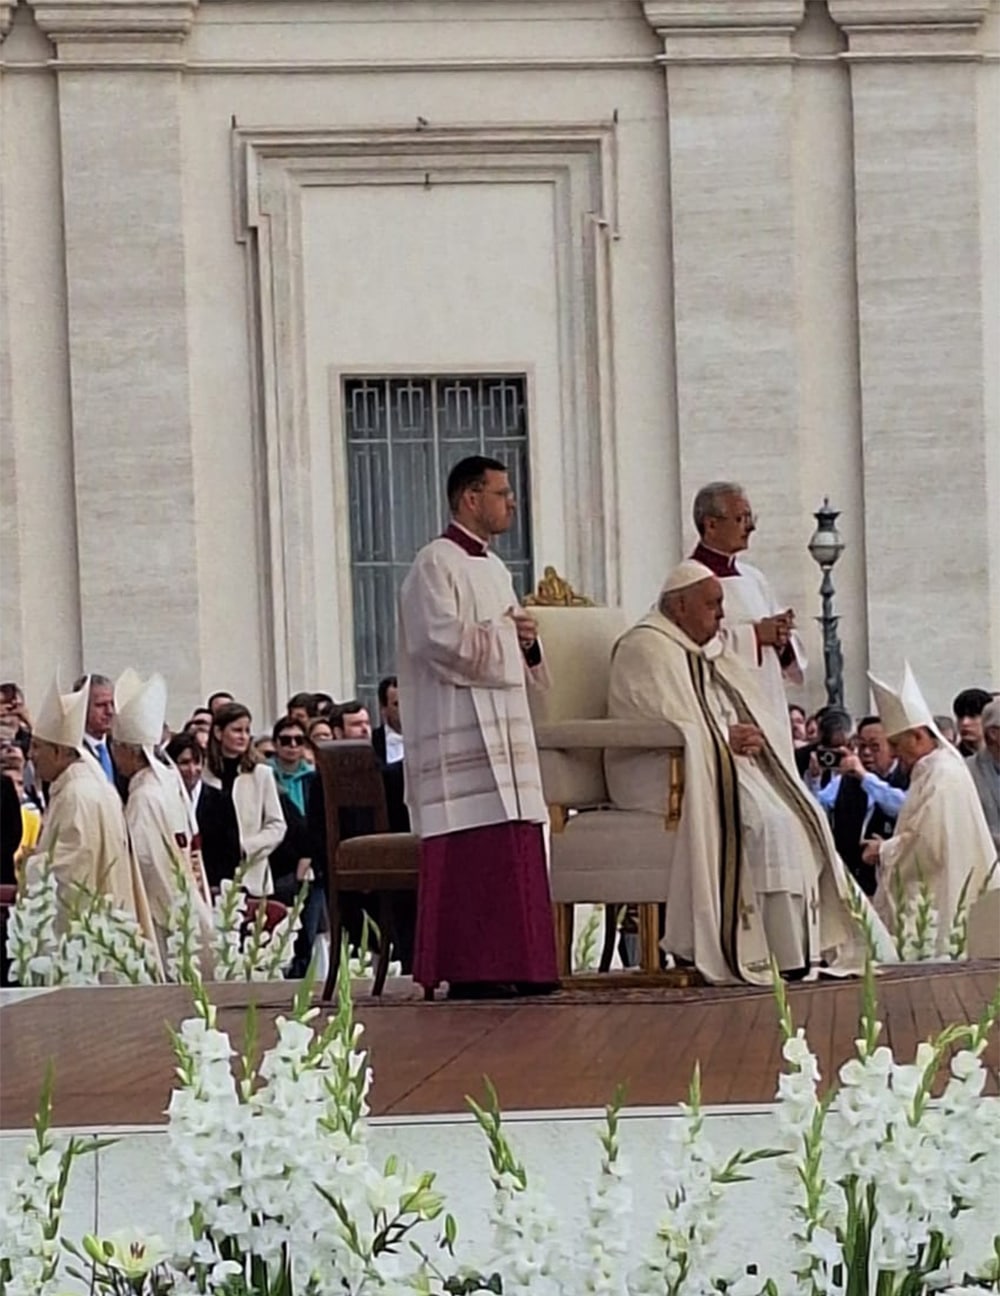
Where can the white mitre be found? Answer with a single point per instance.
(684, 575)
(62, 718)
(140, 710)
(902, 710)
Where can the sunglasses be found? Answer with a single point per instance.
(291, 740)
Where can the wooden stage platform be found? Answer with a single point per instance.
(114, 1064)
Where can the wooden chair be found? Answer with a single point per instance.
(380, 863)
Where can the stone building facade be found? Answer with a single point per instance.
(753, 239)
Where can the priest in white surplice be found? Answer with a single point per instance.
(942, 844)
(84, 839)
(158, 812)
(466, 654)
(756, 872)
(759, 630)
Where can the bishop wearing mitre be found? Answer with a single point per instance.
(158, 812)
(942, 845)
(84, 838)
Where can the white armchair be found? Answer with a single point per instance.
(599, 854)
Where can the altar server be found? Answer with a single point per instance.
(759, 629)
(467, 654)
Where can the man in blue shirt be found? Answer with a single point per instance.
(863, 797)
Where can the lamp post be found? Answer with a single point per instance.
(825, 547)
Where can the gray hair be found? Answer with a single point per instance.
(708, 501)
(668, 603)
(95, 680)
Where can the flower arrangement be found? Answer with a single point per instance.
(275, 1192)
(917, 931)
(879, 1173)
(100, 943)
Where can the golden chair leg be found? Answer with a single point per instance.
(649, 937)
(562, 915)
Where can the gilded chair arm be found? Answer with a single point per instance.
(622, 735)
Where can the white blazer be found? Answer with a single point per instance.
(262, 824)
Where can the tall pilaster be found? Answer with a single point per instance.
(919, 265)
(120, 134)
(731, 117)
(11, 641)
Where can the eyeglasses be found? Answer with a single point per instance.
(291, 740)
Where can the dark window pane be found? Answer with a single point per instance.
(403, 436)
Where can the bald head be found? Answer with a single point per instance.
(696, 609)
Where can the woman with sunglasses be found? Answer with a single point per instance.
(292, 771)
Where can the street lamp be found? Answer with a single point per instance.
(826, 547)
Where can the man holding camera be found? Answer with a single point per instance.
(865, 791)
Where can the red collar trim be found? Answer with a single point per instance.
(473, 547)
(718, 564)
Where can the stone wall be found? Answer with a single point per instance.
(725, 238)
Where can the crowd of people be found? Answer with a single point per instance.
(856, 775)
(102, 788)
(783, 813)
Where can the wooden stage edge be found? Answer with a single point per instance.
(114, 1065)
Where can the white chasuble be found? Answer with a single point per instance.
(159, 823)
(752, 844)
(941, 845)
(84, 833)
(470, 757)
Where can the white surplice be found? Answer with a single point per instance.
(84, 834)
(941, 838)
(747, 599)
(470, 757)
(754, 856)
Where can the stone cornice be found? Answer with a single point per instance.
(102, 21)
(715, 16)
(908, 13)
(929, 28)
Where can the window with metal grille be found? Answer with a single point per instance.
(404, 435)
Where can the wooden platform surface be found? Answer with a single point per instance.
(114, 1063)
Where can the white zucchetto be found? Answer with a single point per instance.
(684, 575)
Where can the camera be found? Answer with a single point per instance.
(827, 758)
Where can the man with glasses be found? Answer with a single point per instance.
(467, 654)
(864, 796)
(757, 627)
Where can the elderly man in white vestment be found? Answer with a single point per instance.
(83, 834)
(942, 844)
(758, 628)
(756, 873)
(467, 653)
(158, 813)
